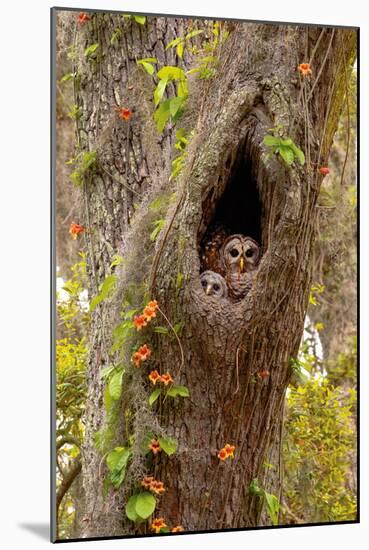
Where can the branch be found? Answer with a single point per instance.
(67, 482)
(68, 439)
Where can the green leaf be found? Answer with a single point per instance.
(115, 385)
(117, 478)
(106, 290)
(141, 19)
(183, 89)
(88, 160)
(118, 458)
(153, 397)
(161, 330)
(192, 34)
(145, 504)
(175, 104)
(174, 43)
(146, 441)
(168, 444)
(159, 90)
(271, 141)
(298, 153)
(148, 67)
(115, 36)
(180, 48)
(106, 371)
(287, 141)
(182, 391)
(131, 508)
(91, 51)
(273, 505)
(117, 260)
(171, 73)
(255, 489)
(287, 154)
(159, 224)
(162, 115)
(67, 77)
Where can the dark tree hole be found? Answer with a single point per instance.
(237, 210)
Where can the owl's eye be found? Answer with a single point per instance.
(216, 287)
(234, 252)
(204, 283)
(249, 253)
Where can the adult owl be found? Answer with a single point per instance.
(213, 284)
(240, 257)
(211, 258)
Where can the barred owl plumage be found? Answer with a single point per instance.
(211, 258)
(240, 257)
(213, 284)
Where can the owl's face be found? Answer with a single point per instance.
(213, 284)
(240, 254)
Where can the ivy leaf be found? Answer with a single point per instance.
(147, 64)
(162, 115)
(255, 489)
(67, 77)
(106, 289)
(131, 509)
(271, 141)
(182, 391)
(146, 441)
(298, 153)
(117, 461)
(171, 73)
(153, 397)
(272, 504)
(161, 330)
(115, 385)
(91, 51)
(174, 43)
(159, 224)
(118, 458)
(193, 33)
(168, 444)
(175, 104)
(287, 154)
(140, 19)
(148, 67)
(180, 49)
(159, 90)
(145, 504)
(183, 89)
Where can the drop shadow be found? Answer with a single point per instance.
(42, 530)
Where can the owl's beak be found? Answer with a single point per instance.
(208, 290)
(242, 264)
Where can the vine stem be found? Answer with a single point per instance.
(178, 340)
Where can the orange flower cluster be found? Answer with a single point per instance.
(158, 524)
(153, 485)
(154, 446)
(83, 18)
(324, 170)
(305, 69)
(226, 452)
(75, 229)
(177, 529)
(154, 377)
(140, 355)
(149, 313)
(263, 374)
(123, 113)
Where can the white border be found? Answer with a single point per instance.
(24, 197)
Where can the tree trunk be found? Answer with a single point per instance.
(236, 356)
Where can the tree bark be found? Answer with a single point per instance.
(225, 345)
